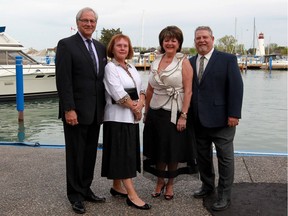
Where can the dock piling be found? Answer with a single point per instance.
(19, 88)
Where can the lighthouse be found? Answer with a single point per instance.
(260, 51)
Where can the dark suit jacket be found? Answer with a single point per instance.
(78, 85)
(220, 93)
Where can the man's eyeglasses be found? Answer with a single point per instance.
(86, 21)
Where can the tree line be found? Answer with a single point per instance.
(227, 44)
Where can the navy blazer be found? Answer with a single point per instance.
(219, 95)
(79, 86)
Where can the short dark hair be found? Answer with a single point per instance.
(112, 43)
(171, 32)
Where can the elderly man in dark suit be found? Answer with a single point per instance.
(215, 110)
(80, 62)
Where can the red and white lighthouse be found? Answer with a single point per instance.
(260, 51)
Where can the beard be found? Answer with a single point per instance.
(203, 49)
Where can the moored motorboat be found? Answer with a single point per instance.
(275, 62)
(38, 79)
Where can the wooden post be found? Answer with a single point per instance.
(144, 63)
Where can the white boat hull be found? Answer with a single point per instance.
(38, 82)
(276, 65)
(38, 79)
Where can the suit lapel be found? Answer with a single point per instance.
(193, 63)
(100, 57)
(85, 51)
(209, 65)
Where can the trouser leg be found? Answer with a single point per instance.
(225, 154)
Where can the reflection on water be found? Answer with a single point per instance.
(40, 122)
(263, 127)
(21, 132)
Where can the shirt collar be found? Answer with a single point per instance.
(83, 38)
(208, 55)
(118, 64)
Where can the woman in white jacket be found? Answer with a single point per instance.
(125, 100)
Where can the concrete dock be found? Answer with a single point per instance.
(32, 182)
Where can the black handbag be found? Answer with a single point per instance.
(132, 92)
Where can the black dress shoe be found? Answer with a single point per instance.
(78, 207)
(156, 194)
(144, 207)
(221, 204)
(168, 197)
(95, 199)
(116, 193)
(202, 193)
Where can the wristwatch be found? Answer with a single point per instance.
(183, 115)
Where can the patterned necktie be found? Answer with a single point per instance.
(92, 53)
(201, 68)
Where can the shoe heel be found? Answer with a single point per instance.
(144, 207)
(129, 202)
(155, 195)
(115, 193)
(168, 197)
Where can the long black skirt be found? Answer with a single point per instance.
(121, 150)
(164, 145)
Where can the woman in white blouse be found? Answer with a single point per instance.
(125, 99)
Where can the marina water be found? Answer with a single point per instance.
(262, 129)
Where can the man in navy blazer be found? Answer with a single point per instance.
(79, 79)
(215, 110)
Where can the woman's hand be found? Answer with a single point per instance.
(137, 109)
(181, 124)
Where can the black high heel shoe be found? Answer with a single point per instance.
(154, 195)
(144, 207)
(168, 197)
(113, 192)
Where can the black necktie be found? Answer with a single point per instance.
(201, 68)
(92, 54)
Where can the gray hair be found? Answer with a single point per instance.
(206, 28)
(79, 14)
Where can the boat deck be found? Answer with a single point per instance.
(142, 66)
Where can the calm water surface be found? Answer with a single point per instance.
(263, 127)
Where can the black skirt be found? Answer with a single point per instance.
(164, 145)
(121, 150)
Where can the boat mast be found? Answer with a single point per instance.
(142, 32)
(235, 34)
(254, 37)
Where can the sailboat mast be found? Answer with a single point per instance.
(254, 37)
(142, 31)
(235, 34)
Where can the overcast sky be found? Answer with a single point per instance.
(41, 24)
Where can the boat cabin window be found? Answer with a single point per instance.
(9, 58)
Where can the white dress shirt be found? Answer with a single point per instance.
(206, 60)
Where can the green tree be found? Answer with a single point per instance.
(107, 34)
(185, 50)
(192, 51)
(240, 49)
(271, 48)
(251, 51)
(284, 51)
(275, 49)
(226, 44)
